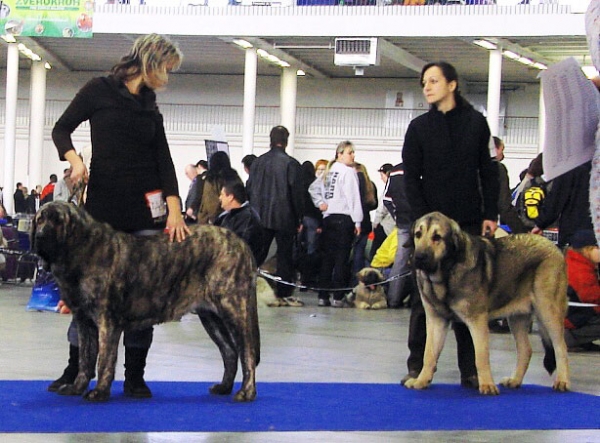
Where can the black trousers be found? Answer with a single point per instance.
(417, 332)
(284, 255)
(337, 238)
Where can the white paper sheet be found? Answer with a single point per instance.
(572, 105)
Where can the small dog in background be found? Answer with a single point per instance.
(368, 294)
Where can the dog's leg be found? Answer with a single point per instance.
(88, 353)
(109, 336)
(551, 324)
(218, 332)
(437, 329)
(379, 305)
(519, 327)
(480, 332)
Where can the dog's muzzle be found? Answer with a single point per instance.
(424, 261)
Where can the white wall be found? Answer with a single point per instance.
(228, 90)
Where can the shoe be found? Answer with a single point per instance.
(470, 382)
(337, 303)
(276, 303)
(292, 302)
(411, 374)
(136, 388)
(323, 302)
(70, 373)
(135, 363)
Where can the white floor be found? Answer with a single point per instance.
(308, 344)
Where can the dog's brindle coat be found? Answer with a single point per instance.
(114, 281)
(476, 279)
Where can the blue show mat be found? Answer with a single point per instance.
(26, 407)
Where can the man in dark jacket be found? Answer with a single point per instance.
(276, 191)
(239, 216)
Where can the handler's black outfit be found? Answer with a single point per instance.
(131, 158)
(448, 168)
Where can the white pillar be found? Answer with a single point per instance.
(37, 111)
(249, 101)
(10, 127)
(289, 85)
(493, 98)
(541, 122)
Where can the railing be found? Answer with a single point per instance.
(373, 123)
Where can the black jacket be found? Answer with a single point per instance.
(276, 190)
(244, 221)
(130, 152)
(448, 167)
(568, 201)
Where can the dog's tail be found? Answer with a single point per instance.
(549, 356)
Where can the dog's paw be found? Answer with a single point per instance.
(510, 382)
(415, 383)
(96, 396)
(69, 390)
(488, 389)
(561, 386)
(245, 395)
(221, 389)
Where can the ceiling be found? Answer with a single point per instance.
(217, 55)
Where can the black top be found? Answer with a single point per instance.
(568, 202)
(448, 167)
(130, 152)
(244, 221)
(395, 200)
(276, 190)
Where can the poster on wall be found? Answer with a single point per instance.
(47, 18)
(213, 146)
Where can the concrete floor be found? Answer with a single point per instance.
(308, 344)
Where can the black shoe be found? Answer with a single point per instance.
(70, 373)
(135, 363)
(471, 382)
(136, 388)
(586, 347)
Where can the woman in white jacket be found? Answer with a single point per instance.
(337, 195)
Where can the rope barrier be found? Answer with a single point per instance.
(277, 279)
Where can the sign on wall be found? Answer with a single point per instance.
(47, 18)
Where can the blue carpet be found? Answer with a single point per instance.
(187, 407)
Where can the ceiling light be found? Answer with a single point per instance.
(242, 43)
(9, 38)
(262, 53)
(48, 66)
(284, 64)
(525, 61)
(485, 44)
(590, 71)
(511, 55)
(540, 66)
(300, 73)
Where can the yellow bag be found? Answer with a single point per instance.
(384, 257)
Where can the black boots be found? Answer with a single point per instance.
(135, 363)
(70, 372)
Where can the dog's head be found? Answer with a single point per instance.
(436, 239)
(54, 226)
(369, 277)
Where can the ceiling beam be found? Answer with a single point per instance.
(400, 56)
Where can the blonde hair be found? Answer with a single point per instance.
(152, 56)
(341, 147)
(369, 188)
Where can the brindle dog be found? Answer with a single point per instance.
(114, 281)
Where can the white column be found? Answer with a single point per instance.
(249, 101)
(542, 122)
(37, 111)
(289, 87)
(493, 98)
(10, 127)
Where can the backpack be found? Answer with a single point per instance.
(533, 197)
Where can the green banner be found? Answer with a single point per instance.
(47, 18)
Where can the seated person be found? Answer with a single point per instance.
(239, 216)
(582, 324)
